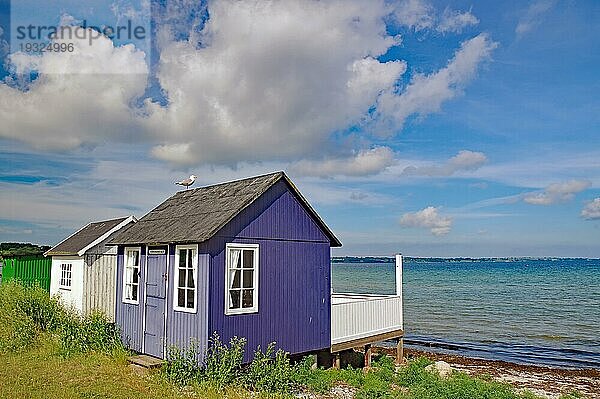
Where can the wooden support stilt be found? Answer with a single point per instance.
(368, 353)
(400, 351)
(336, 361)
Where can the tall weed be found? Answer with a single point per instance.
(222, 363)
(27, 311)
(270, 371)
(24, 313)
(183, 365)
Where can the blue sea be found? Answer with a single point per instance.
(528, 311)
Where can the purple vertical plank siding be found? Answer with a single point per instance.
(277, 214)
(294, 276)
(294, 301)
(129, 316)
(184, 328)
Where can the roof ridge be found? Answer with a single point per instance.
(282, 173)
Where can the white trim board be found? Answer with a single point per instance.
(107, 234)
(255, 298)
(123, 299)
(195, 259)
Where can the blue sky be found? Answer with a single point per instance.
(433, 128)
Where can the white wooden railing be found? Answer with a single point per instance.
(361, 316)
(358, 316)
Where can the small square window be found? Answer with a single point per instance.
(241, 278)
(66, 270)
(186, 259)
(131, 274)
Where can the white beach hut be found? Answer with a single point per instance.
(84, 268)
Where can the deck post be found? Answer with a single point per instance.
(400, 351)
(399, 275)
(368, 353)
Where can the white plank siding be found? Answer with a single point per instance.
(362, 316)
(99, 284)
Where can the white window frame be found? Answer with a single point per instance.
(60, 280)
(176, 307)
(254, 308)
(125, 257)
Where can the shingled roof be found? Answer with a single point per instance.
(87, 236)
(192, 216)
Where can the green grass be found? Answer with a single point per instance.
(41, 372)
(47, 351)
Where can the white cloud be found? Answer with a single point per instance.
(531, 17)
(421, 15)
(557, 192)
(538, 170)
(79, 98)
(428, 218)
(363, 163)
(456, 21)
(263, 86)
(591, 210)
(266, 84)
(415, 14)
(463, 161)
(426, 93)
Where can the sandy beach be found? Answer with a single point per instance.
(547, 382)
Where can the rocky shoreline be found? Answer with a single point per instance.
(549, 382)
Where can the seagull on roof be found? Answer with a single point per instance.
(186, 182)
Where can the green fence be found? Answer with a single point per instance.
(29, 270)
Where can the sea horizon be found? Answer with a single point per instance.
(392, 258)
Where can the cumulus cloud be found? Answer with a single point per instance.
(257, 81)
(531, 17)
(428, 218)
(456, 21)
(266, 84)
(591, 210)
(557, 192)
(465, 160)
(426, 93)
(363, 163)
(79, 98)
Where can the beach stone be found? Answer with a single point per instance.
(441, 368)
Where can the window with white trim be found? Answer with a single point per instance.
(65, 275)
(241, 278)
(186, 272)
(131, 275)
